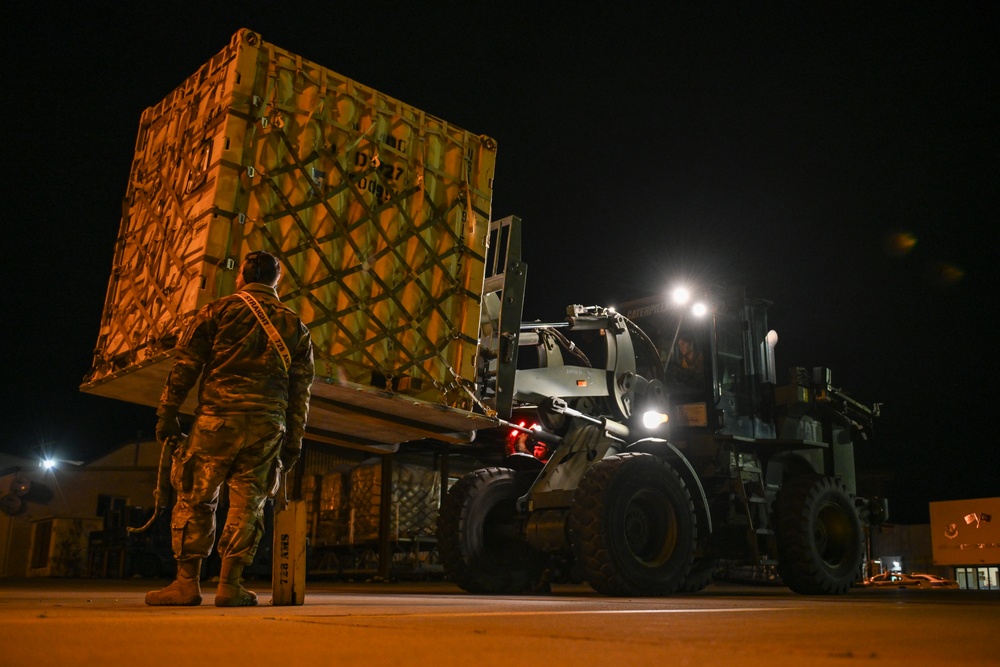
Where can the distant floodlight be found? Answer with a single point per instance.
(48, 464)
(680, 295)
(699, 309)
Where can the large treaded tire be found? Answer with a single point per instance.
(478, 538)
(701, 574)
(820, 539)
(633, 526)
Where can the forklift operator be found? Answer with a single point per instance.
(687, 366)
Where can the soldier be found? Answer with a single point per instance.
(255, 358)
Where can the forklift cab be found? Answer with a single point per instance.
(718, 366)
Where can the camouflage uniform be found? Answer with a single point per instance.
(249, 410)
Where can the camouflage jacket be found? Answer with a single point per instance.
(240, 369)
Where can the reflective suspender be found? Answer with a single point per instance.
(272, 333)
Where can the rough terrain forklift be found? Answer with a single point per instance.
(666, 446)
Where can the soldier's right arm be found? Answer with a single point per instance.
(193, 351)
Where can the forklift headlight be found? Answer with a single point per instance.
(653, 419)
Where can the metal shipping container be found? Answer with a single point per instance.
(379, 212)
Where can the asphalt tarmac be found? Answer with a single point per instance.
(63, 623)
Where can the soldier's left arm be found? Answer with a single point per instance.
(300, 377)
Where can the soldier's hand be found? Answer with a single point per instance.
(289, 456)
(167, 426)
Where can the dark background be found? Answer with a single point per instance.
(782, 146)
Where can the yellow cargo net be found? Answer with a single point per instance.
(384, 293)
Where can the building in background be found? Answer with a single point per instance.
(48, 513)
(965, 534)
(962, 542)
(901, 548)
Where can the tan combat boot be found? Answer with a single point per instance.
(185, 591)
(230, 592)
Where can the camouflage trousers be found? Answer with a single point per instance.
(236, 449)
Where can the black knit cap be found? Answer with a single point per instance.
(260, 267)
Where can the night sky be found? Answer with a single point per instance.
(838, 159)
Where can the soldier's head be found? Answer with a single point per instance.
(259, 267)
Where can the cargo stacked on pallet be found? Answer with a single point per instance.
(416, 494)
(332, 523)
(379, 212)
(416, 497)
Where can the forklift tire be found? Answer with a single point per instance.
(633, 526)
(478, 536)
(821, 543)
(701, 574)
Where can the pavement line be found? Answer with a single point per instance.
(567, 612)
